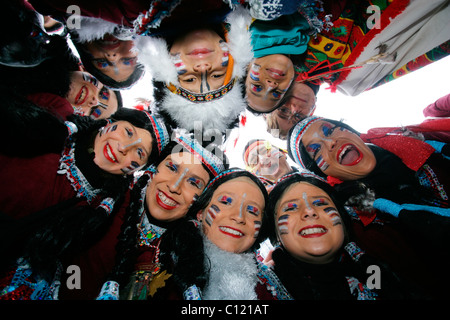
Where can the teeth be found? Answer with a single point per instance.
(232, 231)
(312, 231)
(110, 154)
(82, 95)
(343, 152)
(166, 200)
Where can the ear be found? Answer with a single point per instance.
(200, 215)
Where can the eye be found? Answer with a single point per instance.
(102, 63)
(277, 94)
(255, 87)
(253, 210)
(189, 80)
(291, 206)
(217, 76)
(90, 79)
(129, 61)
(195, 182)
(140, 153)
(172, 166)
(225, 200)
(103, 93)
(320, 202)
(328, 129)
(129, 132)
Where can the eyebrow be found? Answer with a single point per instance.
(297, 199)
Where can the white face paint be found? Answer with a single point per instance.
(177, 183)
(241, 212)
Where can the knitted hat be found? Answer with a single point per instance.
(218, 109)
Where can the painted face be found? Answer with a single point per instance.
(233, 218)
(308, 224)
(180, 178)
(84, 91)
(301, 101)
(338, 152)
(268, 162)
(267, 81)
(201, 59)
(107, 104)
(121, 148)
(113, 57)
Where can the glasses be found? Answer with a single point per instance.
(286, 114)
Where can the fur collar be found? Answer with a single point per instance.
(232, 276)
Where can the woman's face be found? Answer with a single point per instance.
(338, 152)
(107, 104)
(267, 81)
(308, 224)
(301, 100)
(84, 91)
(268, 162)
(201, 59)
(121, 148)
(233, 217)
(179, 179)
(113, 57)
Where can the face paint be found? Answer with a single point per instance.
(132, 144)
(257, 225)
(88, 78)
(334, 215)
(241, 213)
(254, 72)
(105, 130)
(225, 51)
(283, 224)
(179, 64)
(196, 182)
(290, 206)
(204, 85)
(225, 200)
(177, 183)
(253, 210)
(305, 198)
(211, 214)
(322, 164)
(131, 168)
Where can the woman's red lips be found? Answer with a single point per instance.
(109, 153)
(201, 51)
(348, 155)
(164, 201)
(232, 232)
(82, 96)
(312, 231)
(276, 73)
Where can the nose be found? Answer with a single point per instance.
(239, 215)
(272, 83)
(111, 56)
(93, 101)
(125, 148)
(177, 180)
(309, 214)
(330, 143)
(202, 66)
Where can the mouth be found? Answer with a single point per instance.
(348, 155)
(109, 154)
(164, 201)
(276, 73)
(82, 96)
(200, 52)
(109, 43)
(313, 231)
(231, 232)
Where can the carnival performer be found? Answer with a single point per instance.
(157, 250)
(231, 215)
(376, 177)
(316, 257)
(70, 197)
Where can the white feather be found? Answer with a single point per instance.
(94, 28)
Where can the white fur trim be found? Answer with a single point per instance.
(154, 55)
(233, 276)
(215, 114)
(94, 28)
(239, 40)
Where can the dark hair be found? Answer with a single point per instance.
(181, 239)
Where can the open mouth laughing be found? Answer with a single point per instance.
(109, 154)
(82, 96)
(164, 201)
(313, 231)
(231, 232)
(348, 155)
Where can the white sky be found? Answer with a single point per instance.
(399, 102)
